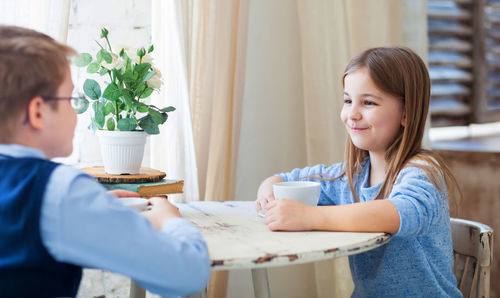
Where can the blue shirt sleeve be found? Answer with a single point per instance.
(84, 225)
(418, 201)
(323, 174)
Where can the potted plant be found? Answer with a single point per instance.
(121, 118)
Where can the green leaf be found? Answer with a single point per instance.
(83, 60)
(130, 79)
(103, 71)
(129, 99)
(98, 57)
(92, 89)
(118, 74)
(141, 88)
(149, 125)
(93, 67)
(109, 108)
(168, 109)
(141, 107)
(146, 93)
(142, 68)
(110, 124)
(112, 92)
(156, 116)
(104, 54)
(127, 124)
(99, 113)
(151, 48)
(148, 76)
(95, 124)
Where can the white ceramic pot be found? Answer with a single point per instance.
(122, 151)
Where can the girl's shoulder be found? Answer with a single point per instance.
(424, 166)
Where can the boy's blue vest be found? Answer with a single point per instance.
(26, 267)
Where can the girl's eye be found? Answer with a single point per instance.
(347, 101)
(369, 103)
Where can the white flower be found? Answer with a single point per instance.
(117, 63)
(145, 58)
(156, 81)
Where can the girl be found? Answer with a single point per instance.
(387, 183)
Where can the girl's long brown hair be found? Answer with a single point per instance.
(401, 73)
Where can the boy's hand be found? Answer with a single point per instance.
(160, 211)
(122, 193)
(288, 215)
(265, 193)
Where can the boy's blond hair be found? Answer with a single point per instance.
(31, 64)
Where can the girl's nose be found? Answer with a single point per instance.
(354, 113)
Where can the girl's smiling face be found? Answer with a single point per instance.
(373, 118)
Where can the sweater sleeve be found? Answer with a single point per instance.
(418, 201)
(322, 174)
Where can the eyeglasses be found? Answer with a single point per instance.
(78, 101)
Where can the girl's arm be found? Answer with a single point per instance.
(373, 216)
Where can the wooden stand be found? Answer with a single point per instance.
(146, 175)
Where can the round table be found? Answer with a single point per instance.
(238, 238)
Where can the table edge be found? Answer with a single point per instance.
(292, 259)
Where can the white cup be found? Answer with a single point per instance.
(306, 192)
(139, 204)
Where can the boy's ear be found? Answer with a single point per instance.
(36, 113)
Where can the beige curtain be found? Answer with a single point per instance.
(331, 33)
(213, 36)
(216, 91)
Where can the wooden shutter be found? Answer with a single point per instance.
(464, 61)
(489, 107)
(450, 61)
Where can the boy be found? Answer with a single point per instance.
(54, 219)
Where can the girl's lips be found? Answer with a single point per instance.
(357, 128)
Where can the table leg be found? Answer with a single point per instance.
(260, 283)
(136, 291)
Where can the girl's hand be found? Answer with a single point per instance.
(122, 193)
(265, 193)
(288, 215)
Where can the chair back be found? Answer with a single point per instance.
(473, 251)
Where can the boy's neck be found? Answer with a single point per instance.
(26, 137)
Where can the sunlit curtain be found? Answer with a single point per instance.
(204, 61)
(219, 35)
(48, 16)
(331, 33)
(173, 150)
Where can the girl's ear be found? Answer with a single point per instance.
(403, 119)
(36, 113)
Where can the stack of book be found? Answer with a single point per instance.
(150, 189)
(148, 183)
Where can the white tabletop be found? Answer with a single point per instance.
(238, 238)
